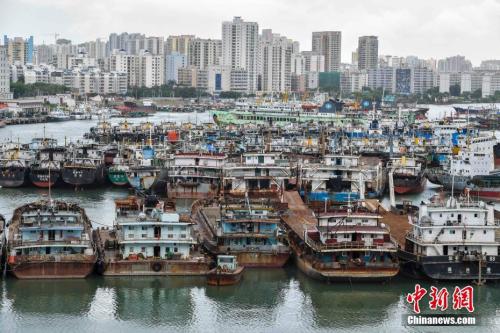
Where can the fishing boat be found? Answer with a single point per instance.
(15, 160)
(46, 170)
(85, 166)
(486, 186)
(50, 239)
(249, 230)
(409, 175)
(195, 175)
(150, 238)
(2, 242)
(227, 272)
(342, 178)
(347, 243)
(456, 239)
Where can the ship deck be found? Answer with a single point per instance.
(298, 217)
(398, 224)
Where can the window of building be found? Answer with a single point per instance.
(452, 232)
(131, 249)
(170, 236)
(183, 235)
(130, 227)
(143, 249)
(144, 227)
(175, 249)
(144, 236)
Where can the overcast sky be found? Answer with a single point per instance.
(426, 28)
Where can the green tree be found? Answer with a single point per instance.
(455, 90)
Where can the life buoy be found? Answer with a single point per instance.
(156, 266)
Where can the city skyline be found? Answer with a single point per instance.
(430, 30)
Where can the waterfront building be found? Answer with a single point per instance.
(205, 52)
(402, 81)
(240, 49)
(313, 62)
(173, 62)
(179, 44)
(446, 80)
(383, 77)
(367, 54)
(19, 50)
(491, 84)
(490, 65)
(276, 61)
(328, 44)
(455, 64)
(4, 74)
(422, 79)
(143, 69)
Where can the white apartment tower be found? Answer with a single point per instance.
(239, 48)
(4, 73)
(276, 62)
(205, 52)
(328, 44)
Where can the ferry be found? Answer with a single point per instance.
(150, 238)
(456, 239)
(51, 239)
(284, 114)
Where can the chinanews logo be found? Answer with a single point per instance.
(462, 302)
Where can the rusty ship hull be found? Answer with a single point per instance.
(156, 267)
(53, 269)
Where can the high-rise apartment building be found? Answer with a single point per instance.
(240, 48)
(456, 64)
(367, 52)
(4, 73)
(328, 44)
(205, 52)
(173, 62)
(276, 61)
(19, 50)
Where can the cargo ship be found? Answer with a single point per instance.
(343, 244)
(150, 238)
(408, 174)
(454, 240)
(50, 239)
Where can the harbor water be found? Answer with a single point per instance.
(271, 300)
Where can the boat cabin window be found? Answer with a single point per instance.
(452, 232)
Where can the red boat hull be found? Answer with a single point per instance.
(486, 194)
(44, 184)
